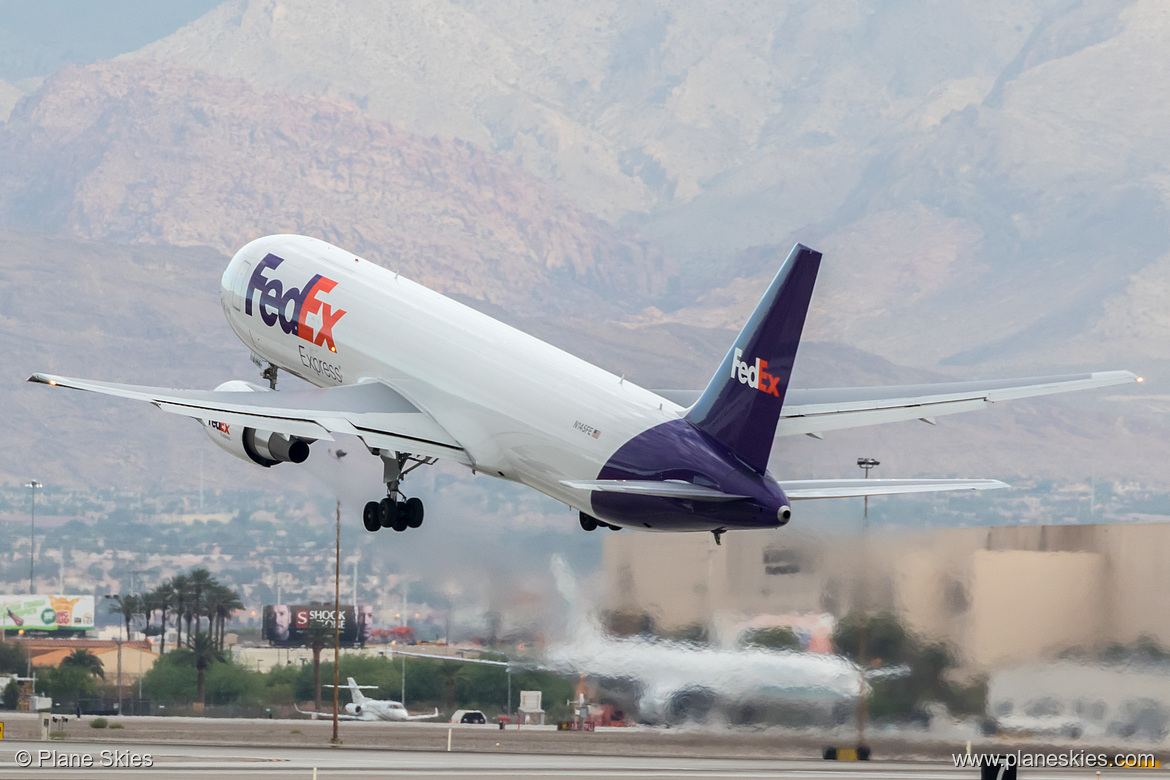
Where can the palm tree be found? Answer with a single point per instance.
(179, 589)
(204, 654)
(222, 601)
(126, 606)
(163, 598)
(317, 633)
(200, 582)
(84, 659)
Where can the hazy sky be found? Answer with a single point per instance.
(38, 38)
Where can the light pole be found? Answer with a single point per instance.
(33, 486)
(336, 624)
(862, 661)
(867, 464)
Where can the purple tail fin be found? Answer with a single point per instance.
(741, 405)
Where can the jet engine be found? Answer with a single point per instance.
(256, 446)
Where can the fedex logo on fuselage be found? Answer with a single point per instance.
(754, 375)
(292, 307)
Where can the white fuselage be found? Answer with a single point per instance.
(522, 409)
(378, 709)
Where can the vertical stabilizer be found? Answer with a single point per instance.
(742, 403)
(355, 691)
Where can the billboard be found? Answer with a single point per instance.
(46, 612)
(290, 625)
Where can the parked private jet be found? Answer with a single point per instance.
(362, 708)
(417, 376)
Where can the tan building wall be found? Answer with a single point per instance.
(998, 595)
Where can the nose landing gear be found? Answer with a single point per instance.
(395, 511)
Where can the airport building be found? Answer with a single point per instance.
(1000, 596)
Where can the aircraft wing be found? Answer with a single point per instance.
(315, 715)
(434, 714)
(372, 411)
(799, 490)
(816, 411)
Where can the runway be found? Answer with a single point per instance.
(204, 761)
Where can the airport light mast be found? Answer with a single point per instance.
(863, 698)
(336, 740)
(33, 486)
(867, 464)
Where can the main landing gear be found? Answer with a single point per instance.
(395, 510)
(591, 523)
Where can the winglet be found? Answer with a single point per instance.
(742, 403)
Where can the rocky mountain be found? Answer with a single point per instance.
(149, 314)
(145, 152)
(995, 171)
(9, 95)
(988, 183)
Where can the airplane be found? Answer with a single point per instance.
(362, 708)
(417, 377)
(670, 682)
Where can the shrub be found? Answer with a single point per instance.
(98, 723)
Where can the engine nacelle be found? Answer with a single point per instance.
(255, 446)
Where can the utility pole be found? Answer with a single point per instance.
(336, 624)
(119, 641)
(33, 486)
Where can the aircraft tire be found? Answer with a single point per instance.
(371, 516)
(387, 512)
(401, 518)
(414, 512)
(588, 523)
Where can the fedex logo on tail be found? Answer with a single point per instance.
(292, 307)
(754, 375)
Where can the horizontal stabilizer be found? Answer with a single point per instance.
(665, 489)
(460, 659)
(798, 490)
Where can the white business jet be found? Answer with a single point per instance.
(362, 708)
(417, 377)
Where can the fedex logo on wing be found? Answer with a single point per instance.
(754, 375)
(292, 307)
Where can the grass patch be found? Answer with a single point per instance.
(117, 726)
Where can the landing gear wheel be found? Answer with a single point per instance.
(401, 519)
(414, 512)
(588, 523)
(371, 517)
(387, 512)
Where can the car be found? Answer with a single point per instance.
(468, 716)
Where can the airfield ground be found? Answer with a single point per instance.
(637, 742)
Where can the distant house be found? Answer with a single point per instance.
(137, 656)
